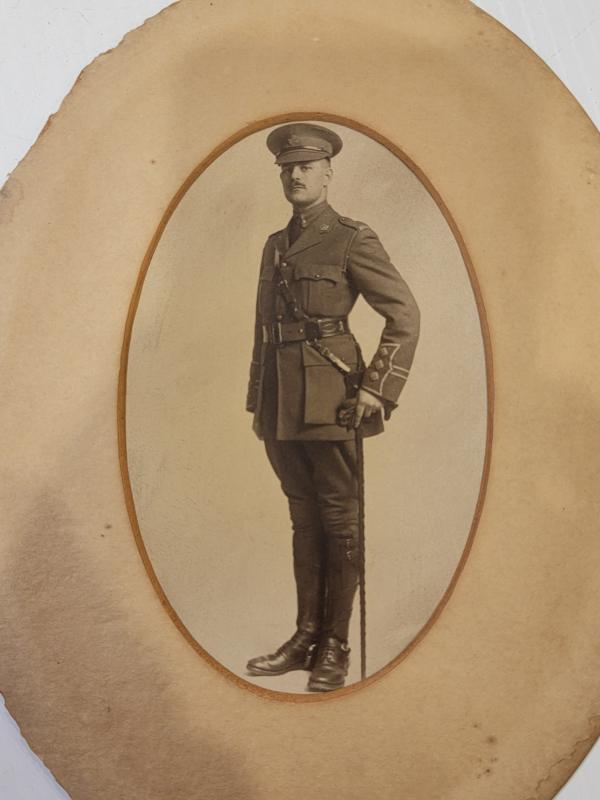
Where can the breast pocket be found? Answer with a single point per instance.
(322, 289)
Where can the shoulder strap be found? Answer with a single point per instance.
(355, 228)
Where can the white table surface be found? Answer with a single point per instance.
(44, 44)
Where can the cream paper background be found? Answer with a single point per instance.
(102, 684)
(210, 510)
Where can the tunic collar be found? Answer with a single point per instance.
(310, 215)
(322, 218)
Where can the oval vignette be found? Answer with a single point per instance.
(208, 515)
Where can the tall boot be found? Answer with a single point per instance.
(310, 562)
(300, 651)
(333, 656)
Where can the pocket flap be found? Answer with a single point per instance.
(318, 272)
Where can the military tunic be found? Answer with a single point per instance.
(293, 392)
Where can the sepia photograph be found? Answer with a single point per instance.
(307, 408)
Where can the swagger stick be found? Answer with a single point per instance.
(360, 466)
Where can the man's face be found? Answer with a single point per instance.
(305, 183)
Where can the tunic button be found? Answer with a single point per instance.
(284, 263)
(374, 376)
(279, 317)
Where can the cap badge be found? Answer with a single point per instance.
(294, 140)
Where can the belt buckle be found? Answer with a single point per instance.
(328, 327)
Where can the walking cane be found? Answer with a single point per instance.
(360, 469)
(346, 418)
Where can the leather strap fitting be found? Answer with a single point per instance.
(304, 330)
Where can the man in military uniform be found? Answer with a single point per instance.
(311, 274)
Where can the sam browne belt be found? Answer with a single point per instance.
(309, 329)
(304, 330)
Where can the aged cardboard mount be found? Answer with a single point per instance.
(501, 698)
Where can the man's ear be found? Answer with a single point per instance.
(328, 176)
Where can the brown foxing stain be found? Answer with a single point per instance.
(490, 740)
